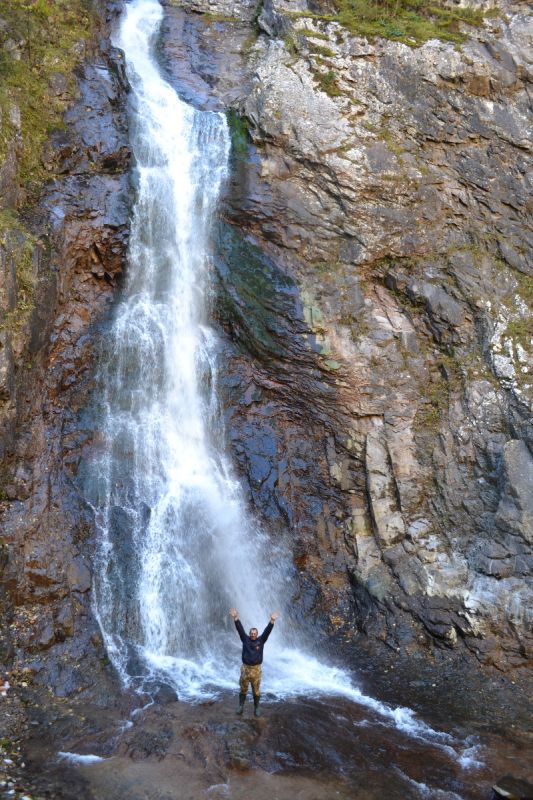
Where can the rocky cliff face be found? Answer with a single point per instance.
(377, 300)
(60, 260)
(374, 287)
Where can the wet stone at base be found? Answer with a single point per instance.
(512, 789)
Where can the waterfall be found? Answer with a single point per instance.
(177, 545)
(177, 548)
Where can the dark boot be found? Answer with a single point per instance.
(257, 710)
(242, 698)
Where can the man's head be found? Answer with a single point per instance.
(253, 633)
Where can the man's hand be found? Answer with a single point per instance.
(234, 614)
(274, 616)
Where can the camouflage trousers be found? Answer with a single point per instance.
(250, 673)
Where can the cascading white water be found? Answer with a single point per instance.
(177, 547)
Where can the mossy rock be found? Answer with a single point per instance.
(256, 300)
(40, 44)
(239, 132)
(19, 246)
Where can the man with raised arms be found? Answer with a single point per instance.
(252, 658)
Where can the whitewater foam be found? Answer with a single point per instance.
(77, 758)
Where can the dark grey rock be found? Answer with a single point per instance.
(165, 694)
(513, 789)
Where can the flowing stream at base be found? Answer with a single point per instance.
(177, 547)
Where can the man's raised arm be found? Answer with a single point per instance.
(234, 614)
(268, 630)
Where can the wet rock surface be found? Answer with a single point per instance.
(303, 747)
(78, 243)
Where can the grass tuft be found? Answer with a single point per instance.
(327, 82)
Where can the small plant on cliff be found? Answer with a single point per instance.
(239, 132)
(328, 82)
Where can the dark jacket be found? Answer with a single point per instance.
(252, 651)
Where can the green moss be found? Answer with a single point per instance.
(291, 44)
(446, 379)
(525, 288)
(521, 331)
(410, 21)
(321, 50)
(211, 17)
(327, 82)
(435, 402)
(46, 36)
(310, 34)
(255, 296)
(383, 132)
(323, 267)
(295, 42)
(239, 132)
(21, 245)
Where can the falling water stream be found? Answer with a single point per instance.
(177, 546)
